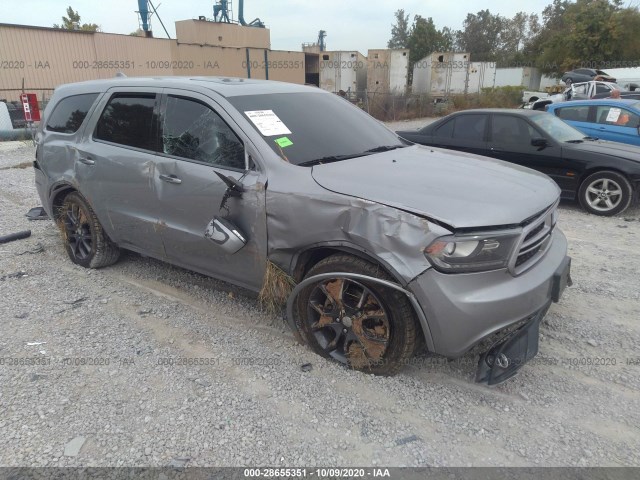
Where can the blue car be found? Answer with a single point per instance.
(607, 119)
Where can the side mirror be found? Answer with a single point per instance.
(539, 142)
(225, 234)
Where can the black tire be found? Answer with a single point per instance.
(605, 193)
(85, 241)
(380, 337)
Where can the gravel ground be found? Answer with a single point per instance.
(101, 391)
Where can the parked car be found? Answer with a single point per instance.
(602, 176)
(613, 119)
(391, 245)
(586, 75)
(577, 91)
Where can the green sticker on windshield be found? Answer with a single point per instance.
(283, 142)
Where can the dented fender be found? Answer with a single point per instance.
(390, 236)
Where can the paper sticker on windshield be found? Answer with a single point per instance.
(614, 115)
(267, 123)
(284, 142)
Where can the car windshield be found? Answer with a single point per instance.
(308, 128)
(557, 129)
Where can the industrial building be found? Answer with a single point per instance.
(37, 59)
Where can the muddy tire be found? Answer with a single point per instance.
(605, 193)
(363, 325)
(85, 241)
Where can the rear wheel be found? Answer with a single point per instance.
(363, 325)
(85, 241)
(605, 193)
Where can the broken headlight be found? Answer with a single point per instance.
(472, 253)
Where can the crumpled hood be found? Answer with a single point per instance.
(459, 189)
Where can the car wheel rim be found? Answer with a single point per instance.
(604, 194)
(78, 232)
(349, 322)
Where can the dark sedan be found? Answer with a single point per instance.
(603, 176)
(586, 75)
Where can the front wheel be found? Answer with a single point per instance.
(365, 326)
(605, 193)
(85, 241)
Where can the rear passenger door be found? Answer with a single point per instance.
(198, 139)
(115, 164)
(617, 124)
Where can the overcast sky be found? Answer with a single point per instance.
(350, 24)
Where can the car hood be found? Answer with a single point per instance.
(614, 149)
(458, 189)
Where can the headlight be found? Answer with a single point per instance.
(472, 253)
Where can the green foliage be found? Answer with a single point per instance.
(72, 22)
(424, 39)
(399, 31)
(570, 34)
(590, 33)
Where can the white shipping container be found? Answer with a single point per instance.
(346, 71)
(443, 74)
(527, 77)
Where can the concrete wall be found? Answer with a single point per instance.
(42, 58)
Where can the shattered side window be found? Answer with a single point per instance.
(194, 131)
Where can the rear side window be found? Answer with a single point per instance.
(470, 127)
(621, 117)
(576, 114)
(194, 131)
(128, 120)
(70, 112)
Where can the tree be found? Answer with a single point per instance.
(72, 22)
(481, 35)
(424, 38)
(589, 33)
(399, 31)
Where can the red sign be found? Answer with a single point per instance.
(30, 107)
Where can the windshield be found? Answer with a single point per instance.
(556, 128)
(313, 127)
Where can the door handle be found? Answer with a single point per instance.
(87, 160)
(170, 179)
(497, 150)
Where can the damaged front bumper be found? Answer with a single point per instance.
(503, 360)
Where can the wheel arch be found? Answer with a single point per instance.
(600, 168)
(57, 195)
(305, 259)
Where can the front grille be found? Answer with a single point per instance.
(536, 239)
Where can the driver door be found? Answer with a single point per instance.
(197, 140)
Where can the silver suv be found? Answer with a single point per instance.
(375, 245)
